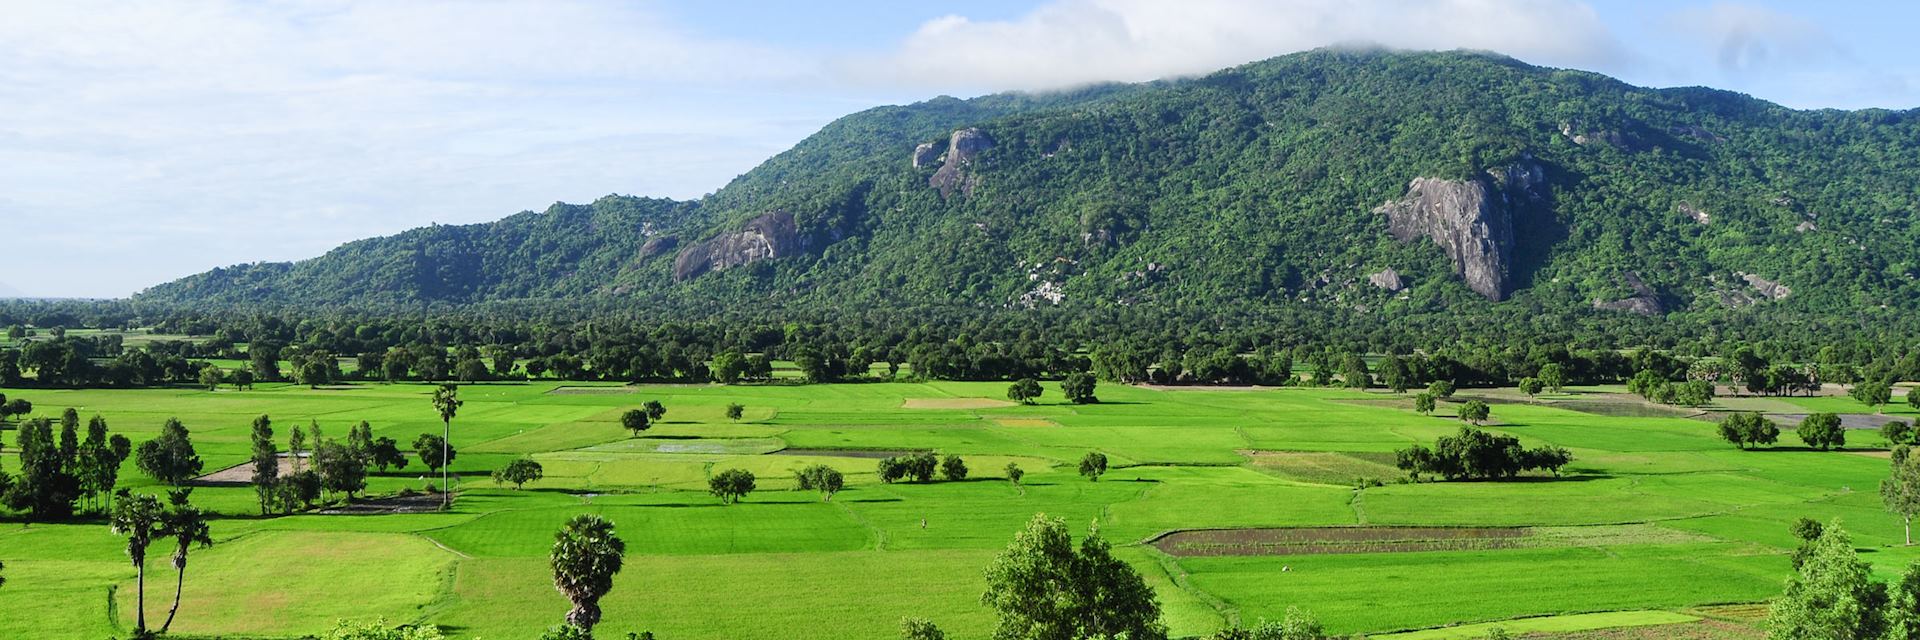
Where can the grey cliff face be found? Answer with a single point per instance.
(963, 148)
(1471, 220)
(772, 235)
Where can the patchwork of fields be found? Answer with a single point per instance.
(1657, 515)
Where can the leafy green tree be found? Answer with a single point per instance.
(1874, 394)
(636, 420)
(266, 462)
(1897, 432)
(296, 446)
(1822, 431)
(471, 370)
(921, 466)
(587, 553)
(1474, 411)
(99, 460)
(1900, 492)
(241, 379)
(920, 629)
(378, 630)
(340, 470)
(141, 519)
(1043, 588)
(386, 453)
(519, 472)
(1531, 386)
(953, 468)
(1440, 388)
(169, 458)
(1353, 372)
(735, 410)
(1093, 465)
(655, 410)
(1395, 374)
(731, 485)
(1903, 610)
(1014, 473)
(1832, 597)
(433, 451)
(447, 402)
(821, 478)
(211, 377)
(1746, 429)
(891, 469)
(728, 367)
(1297, 625)
(46, 486)
(1077, 387)
(1913, 399)
(187, 525)
(1423, 403)
(1553, 376)
(1024, 390)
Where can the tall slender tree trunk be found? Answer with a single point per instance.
(179, 580)
(140, 602)
(1909, 524)
(446, 433)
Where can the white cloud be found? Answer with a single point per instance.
(164, 138)
(1072, 42)
(1746, 38)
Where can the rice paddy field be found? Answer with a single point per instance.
(1234, 504)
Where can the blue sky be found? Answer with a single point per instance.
(146, 140)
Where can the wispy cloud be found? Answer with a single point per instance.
(1747, 38)
(1069, 42)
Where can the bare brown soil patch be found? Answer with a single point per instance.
(241, 474)
(1702, 630)
(1325, 467)
(418, 503)
(954, 403)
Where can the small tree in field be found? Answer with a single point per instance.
(636, 420)
(586, 555)
(735, 410)
(187, 525)
(920, 629)
(1822, 431)
(1532, 387)
(1093, 465)
(447, 402)
(211, 377)
(655, 410)
(1746, 429)
(1833, 596)
(953, 468)
(1913, 399)
(1553, 376)
(1078, 388)
(1423, 403)
(1024, 391)
(821, 478)
(1897, 432)
(141, 519)
(731, 485)
(519, 472)
(430, 449)
(1044, 588)
(1441, 388)
(1901, 490)
(169, 458)
(1475, 411)
(1014, 473)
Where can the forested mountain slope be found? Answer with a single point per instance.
(1384, 182)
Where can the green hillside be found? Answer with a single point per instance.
(1261, 185)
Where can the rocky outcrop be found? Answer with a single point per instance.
(1471, 220)
(925, 154)
(772, 235)
(1387, 279)
(1644, 301)
(1772, 290)
(658, 245)
(963, 149)
(1699, 215)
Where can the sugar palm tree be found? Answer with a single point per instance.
(586, 555)
(187, 525)
(140, 519)
(446, 400)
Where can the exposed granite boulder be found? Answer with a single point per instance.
(1699, 215)
(925, 154)
(658, 245)
(772, 235)
(1772, 290)
(1644, 301)
(1387, 279)
(963, 148)
(1471, 220)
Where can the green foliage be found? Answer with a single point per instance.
(1747, 429)
(920, 629)
(1043, 588)
(1014, 473)
(821, 478)
(636, 421)
(1832, 597)
(169, 458)
(1077, 387)
(1024, 390)
(735, 410)
(378, 630)
(433, 451)
(1900, 492)
(1297, 625)
(519, 472)
(1474, 411)
(731, 485)
(953, 468)
(1093, 465)
(1822, 431)
(1423, 403)
(586, 555)
(1441, 388)
(1477, 454)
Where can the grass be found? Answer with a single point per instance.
(1684, 520)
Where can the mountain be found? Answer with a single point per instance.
(1385, 182)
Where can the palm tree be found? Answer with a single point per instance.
(187, 525)
(446, 399)
(586, 555)
(139, 518)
